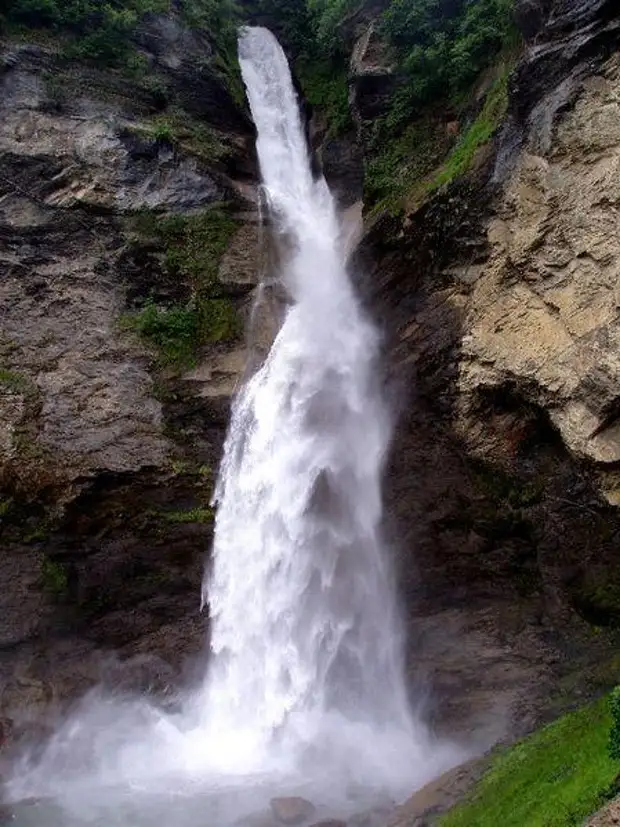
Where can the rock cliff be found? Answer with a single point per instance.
(114, 203)
(124, 200)
(499, 299)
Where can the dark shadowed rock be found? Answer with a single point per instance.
(438, 796)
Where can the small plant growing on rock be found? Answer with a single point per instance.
(613, 746)
(163, 133)
(55, 579)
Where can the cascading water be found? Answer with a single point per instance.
(305, 692)
(304, 629)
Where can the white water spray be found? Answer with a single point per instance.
(305, 634)
(305, 691)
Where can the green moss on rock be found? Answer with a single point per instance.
(554, 778)
(193, 246)
(55, 579)
(194, 515)
(483, 128)
(15, 382)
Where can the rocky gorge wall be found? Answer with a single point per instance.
(499, 300)
(109, 443)
(498, 296)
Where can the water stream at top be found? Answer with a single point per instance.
(305, 691)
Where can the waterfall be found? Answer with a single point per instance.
(304, 626)
(305, 692)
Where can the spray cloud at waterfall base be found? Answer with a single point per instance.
(305, 692)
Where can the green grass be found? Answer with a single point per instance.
(16, 382)
(396, 164)
(479, 133)
(179, 129)
(193, 247)
(195, 515)
(55, 580)
(178, 332)
(173, 331)
(554, 778)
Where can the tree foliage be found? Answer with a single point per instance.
(102, 31)
(291, 21)
(327, 17)
(442, 45)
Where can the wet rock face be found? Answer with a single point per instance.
(499, 302)
(373, 77)
(107, 461)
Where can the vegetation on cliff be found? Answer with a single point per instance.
(439, 51)
(103, 31)
(554, 778)
(454, 59)
(193, 246)
(443, 47)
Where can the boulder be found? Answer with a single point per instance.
(292, 810)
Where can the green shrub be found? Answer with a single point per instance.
(443, 45)
(327, 19)
(163, 133)
(97, 31)
(326, 87)
(179, 331)
(174, 331)
(102, 30)
(291, 20)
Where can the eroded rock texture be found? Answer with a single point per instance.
(499, 298)
(108, 457)
(499, 302)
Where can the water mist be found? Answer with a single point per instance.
(305, 690)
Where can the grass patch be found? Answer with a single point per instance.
(193, 247)
(173, 331)
(179, 331)
(555, 778)
(404, 171)
(16, 382)
(194, 244)
(396, 164)
(479, 133)
(55, 579)
(177, 128)
(195, 515)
